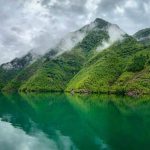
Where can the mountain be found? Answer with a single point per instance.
(99, 57)
(122, 68)
(143, 36)
(55, 74)
(60, 64)
(9, 70)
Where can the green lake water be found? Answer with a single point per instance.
(66, 122)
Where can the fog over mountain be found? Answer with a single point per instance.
(40, 24)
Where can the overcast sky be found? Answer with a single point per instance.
(39, 24)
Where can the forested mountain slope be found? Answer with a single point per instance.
(99, 57)
(55, 74)
(122, 68)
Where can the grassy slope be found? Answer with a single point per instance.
(103, 70)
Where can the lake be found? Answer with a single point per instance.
(73, 122)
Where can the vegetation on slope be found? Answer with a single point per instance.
(143, 36)
(8, 71)
(56, 73)
(136, 78)
(124, 67)
(6, 76)
(93, 40)
(22, 76)
(103, 70)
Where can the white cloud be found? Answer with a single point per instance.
(119, 10)
(25, 22)
(69, 41)
(115, 34)
(147, 7)
(92, 6)
(131, 4)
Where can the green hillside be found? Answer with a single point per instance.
(56, 72)
(22, 76)
(105, 71)
(93, 64)
(136, 77)
(10, 70)
(6, 76)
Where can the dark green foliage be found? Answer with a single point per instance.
(22, 76)
(137, 63)
(7, 75)
(16, 66)
(1, 84)
(143, 33)
(122, 68)
(93, 39)
(143, 36)
(102, 71)
(100, 23)
(139, 81)
(54, 74)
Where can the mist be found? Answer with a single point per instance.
(115, 34)
(70, 41)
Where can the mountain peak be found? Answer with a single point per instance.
(100, 22)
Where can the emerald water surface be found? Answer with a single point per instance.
(66, 122)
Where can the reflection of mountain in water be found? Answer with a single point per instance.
(75, 122)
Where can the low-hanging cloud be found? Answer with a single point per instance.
(69, 41)
(115, 34)
(40, 24)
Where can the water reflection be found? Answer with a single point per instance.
(66, 122)
(13, 138)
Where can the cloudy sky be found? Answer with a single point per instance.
(39, 24)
